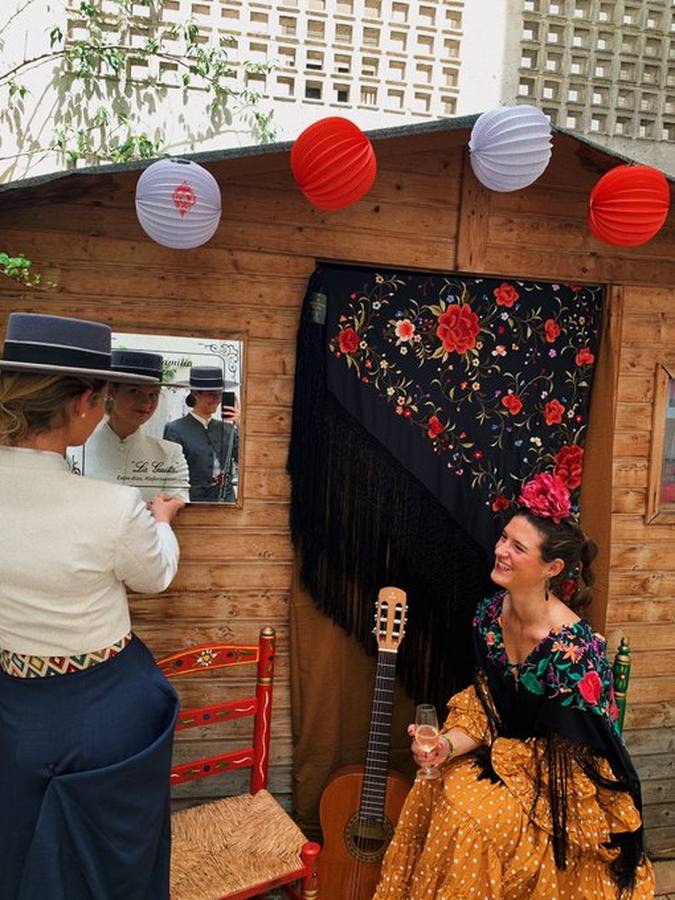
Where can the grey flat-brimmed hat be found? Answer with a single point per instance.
(61, 345)
(206, 378)
(138, 362)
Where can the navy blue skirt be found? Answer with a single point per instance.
(84, 782)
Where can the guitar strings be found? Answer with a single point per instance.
(381, 715)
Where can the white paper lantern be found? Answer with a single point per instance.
(178, 203)
(510, 147)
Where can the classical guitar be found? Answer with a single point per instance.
(360, 805)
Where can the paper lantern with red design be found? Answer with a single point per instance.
(334, 163)
(178, 203)
(628, 205)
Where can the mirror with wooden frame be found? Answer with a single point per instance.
(173, 438)
(661, 486)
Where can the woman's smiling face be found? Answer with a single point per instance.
(518, 562)
(133, 405)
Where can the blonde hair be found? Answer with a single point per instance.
(32, 403)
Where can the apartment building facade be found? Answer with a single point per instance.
(602, 68)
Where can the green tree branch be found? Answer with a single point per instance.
(109, 46)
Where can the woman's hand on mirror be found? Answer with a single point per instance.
(435, 757)
(164, 508)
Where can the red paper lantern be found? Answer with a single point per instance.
(334, 163)
(628, 205)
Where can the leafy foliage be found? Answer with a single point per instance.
(20, 269)
(112, 42)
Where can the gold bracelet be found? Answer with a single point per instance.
(451, 747)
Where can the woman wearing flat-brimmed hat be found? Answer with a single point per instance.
(86, 717)
(210, 444)
(119, 451)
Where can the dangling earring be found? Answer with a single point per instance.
(547, 585)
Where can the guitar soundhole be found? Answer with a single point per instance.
(367, 839)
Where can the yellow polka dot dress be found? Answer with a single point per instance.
(465, 836)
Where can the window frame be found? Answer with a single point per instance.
(658, 513)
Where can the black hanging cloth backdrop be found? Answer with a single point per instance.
(422, 402)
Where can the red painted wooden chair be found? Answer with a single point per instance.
(241, 846)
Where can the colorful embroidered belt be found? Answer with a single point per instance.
(23, 665)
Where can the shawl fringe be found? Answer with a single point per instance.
(360, 521)
(557, 755)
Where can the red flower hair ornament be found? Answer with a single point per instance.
(546, 496)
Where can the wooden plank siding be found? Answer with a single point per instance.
(236, 567)
(425, 211)
(642, 579)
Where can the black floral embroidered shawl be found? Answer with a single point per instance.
(422, 403)
(562, 693)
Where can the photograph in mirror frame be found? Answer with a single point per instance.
(179, 436)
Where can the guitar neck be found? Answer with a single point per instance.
(379, 738)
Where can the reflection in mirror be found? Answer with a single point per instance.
(179, 437)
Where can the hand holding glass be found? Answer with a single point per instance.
(426, 735)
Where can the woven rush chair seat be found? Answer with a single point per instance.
(236, 847)
(230, 845)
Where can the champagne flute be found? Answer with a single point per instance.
(426, 735)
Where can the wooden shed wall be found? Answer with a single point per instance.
(426, 210)
(642, 575)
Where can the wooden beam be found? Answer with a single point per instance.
(472, 227)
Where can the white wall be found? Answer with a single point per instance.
(488, 77)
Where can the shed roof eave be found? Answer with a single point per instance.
(442, 125)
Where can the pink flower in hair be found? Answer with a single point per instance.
(546, 496)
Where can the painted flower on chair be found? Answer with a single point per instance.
(349, 340)
(206, 657)
(613, 709)
(553, 412)
(569, 461)
(584, 357)
(458, 328)
(551, 330)
(506, 295)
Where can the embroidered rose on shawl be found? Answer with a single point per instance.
(590, 687)
(404, 330)
(458, 328)
(584, 357)
(551, 330)
(349, 340)
(472, 356)
(569, 666)
(506, 295)
(553, 412)
(513, 403)
(546, 496)
(435, 427)
(500, 502)
(568, 464)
